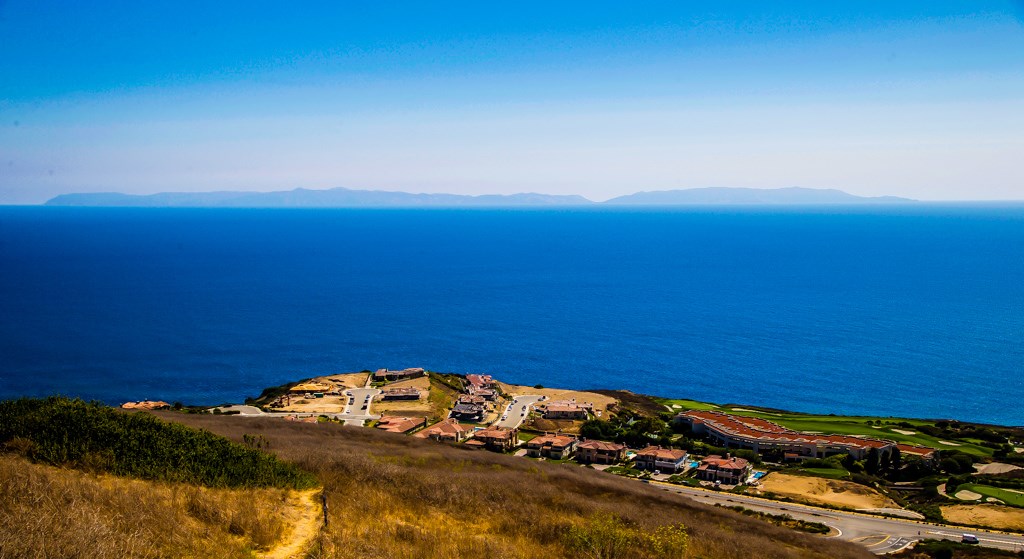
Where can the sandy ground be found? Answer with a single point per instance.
(904, 432)
(422, 405)
(995, 468)
(947, 443)
(327, 404)
(600, 401)
(995, 516)
(825, 491)
(348, 380)
(304, 517)
(966, 495)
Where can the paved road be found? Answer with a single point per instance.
(353, 414)
(517, 411)
(878, 534)
(359, 410)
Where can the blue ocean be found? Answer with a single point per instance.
(914, 310)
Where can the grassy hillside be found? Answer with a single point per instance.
(94, 437)
(391, 496)
(57, 512)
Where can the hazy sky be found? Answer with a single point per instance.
(924, 100)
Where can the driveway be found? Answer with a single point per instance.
(517, 411)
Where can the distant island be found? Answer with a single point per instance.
(749, 196)
(348, 198)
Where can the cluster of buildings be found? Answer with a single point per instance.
(760, 435)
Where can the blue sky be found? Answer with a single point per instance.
(916, 99)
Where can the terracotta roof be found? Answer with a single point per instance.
(766, 431)
(602, 445)
(446, 427)
(922, 451)
(494, 433)
(554, 441)
(720, 463)
(399, 424)
(479, 381)
(662, 453)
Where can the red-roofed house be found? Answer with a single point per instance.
(555, 447)
(448, 430)
(729, 470)
(393, 424)
(656, 458)
(498, 439)
(600, 452)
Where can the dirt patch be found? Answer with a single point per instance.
(600, 401)
(822, 491)
(555, 425)
(347, 380)
(406, 407)
(327, 404)
(303, 515)
(994, 516)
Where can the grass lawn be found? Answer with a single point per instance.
(1004, 495)
(830, 473)
(841, 425)
(686, 404)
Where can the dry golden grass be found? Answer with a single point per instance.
(600, 401)
(392, 496)
(53, 512)
(829, 492)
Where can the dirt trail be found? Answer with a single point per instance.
(305, 517)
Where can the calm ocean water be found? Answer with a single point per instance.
(915, 310)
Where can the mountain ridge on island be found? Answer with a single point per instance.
(793, 195)
(349, 198)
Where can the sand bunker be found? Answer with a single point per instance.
(995, 468)
(825, 491)
(904, 432)
(966, 495)
(947, 443)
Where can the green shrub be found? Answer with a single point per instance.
(95, 437)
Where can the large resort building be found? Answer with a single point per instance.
(759, 435)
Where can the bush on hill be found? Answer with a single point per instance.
(92, 436)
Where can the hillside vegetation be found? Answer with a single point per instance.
(391, 496)
(57, 512)
(94, 437)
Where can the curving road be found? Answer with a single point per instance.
(879, 534)
(517, 411)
